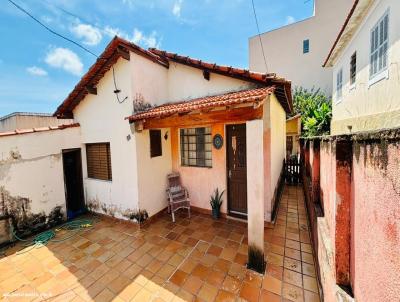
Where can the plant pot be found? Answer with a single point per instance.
(215, 213)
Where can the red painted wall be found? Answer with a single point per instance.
(373, 219)
(375, 248)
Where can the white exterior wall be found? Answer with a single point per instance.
(102, 120)
(283, 47)
(367, 106)
(186, 82)
(274, 118)
(31, 167)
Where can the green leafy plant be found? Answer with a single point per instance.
(216, 199)
(315, 109)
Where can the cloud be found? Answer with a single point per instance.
(91, 35)
(176, 9)
(66, 59)
(290, 19)
(36, 71)
(129, 3)
(138, 37)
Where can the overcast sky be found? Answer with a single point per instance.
(38, 69)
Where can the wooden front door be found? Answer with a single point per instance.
(236, 170)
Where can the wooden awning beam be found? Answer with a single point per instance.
(241, 114)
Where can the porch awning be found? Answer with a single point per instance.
(204, 104)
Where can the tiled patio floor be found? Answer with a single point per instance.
(193, 260)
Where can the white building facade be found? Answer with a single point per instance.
(297, 51)
(365, 62)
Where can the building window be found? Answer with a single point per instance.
(379, 46)
(353, 68)
(306, 46)
(196, 147)
(155, 143)
(98, 158)
(339, 84)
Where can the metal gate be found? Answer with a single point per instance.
(292, 170)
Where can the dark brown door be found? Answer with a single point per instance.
(237, 170)
(72, 163)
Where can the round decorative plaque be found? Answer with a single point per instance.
(218, 141)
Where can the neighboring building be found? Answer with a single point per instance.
(297, 51)
(293, 132)
(365, 60)
(146, 113)
(26, 120)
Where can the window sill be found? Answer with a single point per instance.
(97, 179)
(383, 75)
(352, 87)
(201, 167)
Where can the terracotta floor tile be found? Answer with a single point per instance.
(240, 259)
(292, 277)
(292, 293)
(208, 260)
(275, 259)
(292, 253)
(118, 284)
(130, 291)
(272, 284)
(188, 265)
(105, 295)
(253, 278)
(274, 271)
(292, 244)
(222, 265)
(228, 254)
(142, 295)
(201, 271)
(305, 247)
(310, 297)
(215, 278)
(207, 292)
(308, 258)
(308, 269)
(310, 283)
(214, 250)
(277, 249)
(249, 293)
(192, 284)
(231, 285)
(292, 264)
(224, 296)
(179, 277)
(267, 296)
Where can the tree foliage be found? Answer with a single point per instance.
(315, 109)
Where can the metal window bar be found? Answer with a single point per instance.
(196, 147)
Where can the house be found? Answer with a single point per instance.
(365, 59)
(293, 132)
(144, 113)
(296, 51)
(25, 120)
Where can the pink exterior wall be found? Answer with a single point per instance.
(358, 240)
(201, 182)
(375, 257)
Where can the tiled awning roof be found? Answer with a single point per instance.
(204, 103)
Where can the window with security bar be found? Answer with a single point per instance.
(196, 146)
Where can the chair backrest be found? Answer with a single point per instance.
(174, 182)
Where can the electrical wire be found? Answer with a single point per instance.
(259, 35)
(51, 30)
(116, 91)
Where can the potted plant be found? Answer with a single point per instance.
(216, 202)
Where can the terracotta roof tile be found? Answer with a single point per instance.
(38, 129)
(227, 99)
(119, 47)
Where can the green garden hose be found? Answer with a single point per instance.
(45, 237)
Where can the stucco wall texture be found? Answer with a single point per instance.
(375, 246)
(374, 230)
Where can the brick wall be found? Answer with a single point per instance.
(352, 188)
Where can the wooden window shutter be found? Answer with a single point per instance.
(155, 143)
(99, 161)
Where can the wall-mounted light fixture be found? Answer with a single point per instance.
(166, 135)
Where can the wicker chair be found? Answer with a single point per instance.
(178, 196)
